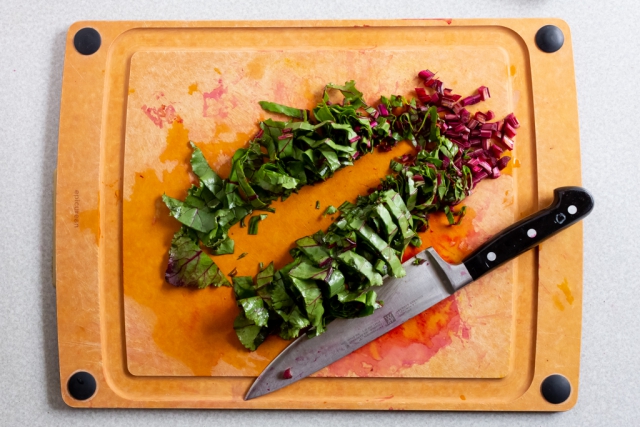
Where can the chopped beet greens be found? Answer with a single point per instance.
(330, 210)
(253, 223)
(333, 272)
(189, 265)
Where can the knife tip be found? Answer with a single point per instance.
(250, 395)
(253, 392)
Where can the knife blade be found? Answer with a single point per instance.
(423, 286)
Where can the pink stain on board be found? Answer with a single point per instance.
(164, 114)
(280, 93)
(212, 99)
(415, 342)
(466, 332)
(412, 343)
(447, 20)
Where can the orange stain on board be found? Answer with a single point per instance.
(90, 220)
(192, 326)
(223, 144)
(508, 170)
(512, 70)
(195, 327)
(564, 287)
(131, 91)
(193, 88)
(448, 240)
(462, 397)
(558, 303)
(507, 200)
(177, 145)
(255, 69)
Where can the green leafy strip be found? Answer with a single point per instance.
(283, 109)
(253, 223)
(330, 210)
(189, 265)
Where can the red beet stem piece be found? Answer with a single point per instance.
(426, 75)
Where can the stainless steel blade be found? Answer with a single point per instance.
(424, 286)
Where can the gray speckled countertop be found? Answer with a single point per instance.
(606, 42)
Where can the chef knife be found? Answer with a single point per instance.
(423, 286)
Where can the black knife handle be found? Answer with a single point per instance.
(569, 206)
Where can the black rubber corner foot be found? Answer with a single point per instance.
(549, 38)
(81, 385)
(555, 389)
(87, 41)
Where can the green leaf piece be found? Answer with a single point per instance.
(201, 168)
(249, 334)
(331, 277)
(360, 265)
(254, 310)
(243, 287)
(312, 299)
(254, 221)
(315, 251)
(379, 245)
(272, 107)
(198, 218)
(190, 266)
(330, 210)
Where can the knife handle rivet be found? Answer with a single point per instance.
(532, 233)
(491, 256)
(555, 389)
(572, 210)
(81, 385)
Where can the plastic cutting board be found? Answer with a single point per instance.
(128, 112)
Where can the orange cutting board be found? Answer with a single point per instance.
(128, 113)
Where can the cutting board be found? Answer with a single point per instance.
(130, 109)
